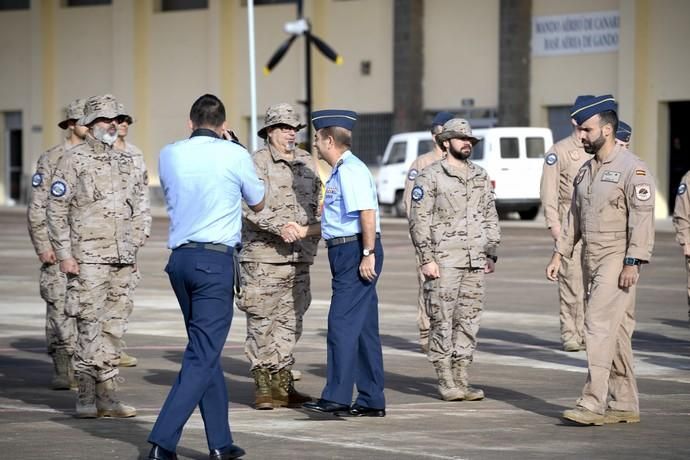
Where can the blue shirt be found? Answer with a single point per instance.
(204, 180)
(349, 190)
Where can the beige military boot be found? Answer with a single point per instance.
(263, 399)
(446, 386)
(296, 375)
(583, 416)
(108, 404)
(462, 381)
(63, 376)
(621, 416)
(127, 360)
(86, 396)
(283, 390)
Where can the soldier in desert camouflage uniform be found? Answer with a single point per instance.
(95, 225)
(124, 120)
(274, 274)
(61, 330)
(416, 167)
(454, 228)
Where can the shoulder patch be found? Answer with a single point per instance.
(58, 188)
(417, 193)
(412, 175)
(551, 159)
(36, 179)
(643, 192)
(682, 188)
(640, 172)
(146, 178)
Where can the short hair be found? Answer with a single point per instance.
(207, 111)
(341, 136)
(436, 129)
(609, 117)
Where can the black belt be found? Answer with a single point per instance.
(210, 246)
(346, 239)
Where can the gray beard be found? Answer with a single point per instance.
(103, 136)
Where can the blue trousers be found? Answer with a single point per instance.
(202, 280)
(353, 342)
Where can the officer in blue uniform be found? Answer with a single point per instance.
(623, 134)
(204, 179)
(350, 225)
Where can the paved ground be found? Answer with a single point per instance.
(527, 378)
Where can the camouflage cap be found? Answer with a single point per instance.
(280, 114)
(104, 106)
(457, 128)
(74, 111)
(123, 113)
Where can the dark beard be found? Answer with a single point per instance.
(459, 154)
(595, 146)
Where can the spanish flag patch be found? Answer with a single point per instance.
(640, 172)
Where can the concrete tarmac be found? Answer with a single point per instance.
(527, 378)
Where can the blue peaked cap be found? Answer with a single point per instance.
(340, 118)
(586, 107)
(624, 131)
(441, 118)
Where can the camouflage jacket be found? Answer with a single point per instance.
(292, 195)
(94, 214)
(144, 199)
(40, 189)
(453, 220)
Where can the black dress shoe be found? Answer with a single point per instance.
(361, 411)
(226, 454)
(158, 453)
(323, 405)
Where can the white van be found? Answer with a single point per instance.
(513, 157)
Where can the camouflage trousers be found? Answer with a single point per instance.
(454, 303)
(422, 317)
(275, 298)
(95, 297)
(122, 311)
(61, 330)
(571, 292)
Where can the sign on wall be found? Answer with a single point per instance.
(595, 32)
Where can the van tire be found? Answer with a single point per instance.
(529, 214)
(399, 205)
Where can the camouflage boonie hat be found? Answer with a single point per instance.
(457, 128)
(280, 114)
(74, 111)
(104, 106)
(123, 113)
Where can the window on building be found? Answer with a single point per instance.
(70, 3)
(370, 137)
(181, 5)
(510, 147)
(7, 5)
(535, 147)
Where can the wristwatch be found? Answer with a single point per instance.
(631, 261)
(367, 252)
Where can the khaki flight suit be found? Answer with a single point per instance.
(561, 164)
(681, 221)
(453, 221)
(613, 215)
(274, 275)
(94, 216)
(417, 166)
(61, 330)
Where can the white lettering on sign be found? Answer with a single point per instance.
(595, 32)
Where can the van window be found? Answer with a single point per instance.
(535, 147)
(510, 147)
(424, 146)
(478, 151)
(398, 153)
